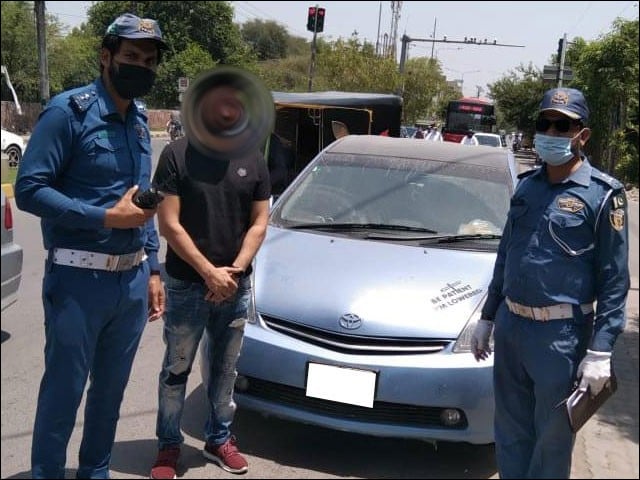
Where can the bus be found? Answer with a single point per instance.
(468, 114)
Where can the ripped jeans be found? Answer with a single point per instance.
(187, 316)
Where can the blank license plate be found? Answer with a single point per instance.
(341, 384)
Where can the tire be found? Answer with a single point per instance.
(15, 155)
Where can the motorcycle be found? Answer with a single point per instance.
(175, 131)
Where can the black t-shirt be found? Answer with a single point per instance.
(216, 198)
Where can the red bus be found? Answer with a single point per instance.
(466, 115)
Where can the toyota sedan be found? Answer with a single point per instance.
(368, 287)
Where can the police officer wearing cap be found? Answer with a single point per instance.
(558, 293)
(89, 153)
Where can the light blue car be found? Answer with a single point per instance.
(368, 286)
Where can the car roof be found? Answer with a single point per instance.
(376, 145)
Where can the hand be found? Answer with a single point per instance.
(222, 283)
(156, 298)
(126, 214)
(480, 340)
(595, 370)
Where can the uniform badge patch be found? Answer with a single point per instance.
(616, 218)
(570, 204)
(242, 172)
(560, 98)
(140, 132)
(619, 201)
(146, 25)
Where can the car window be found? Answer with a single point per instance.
(444, 197)
(490, 140)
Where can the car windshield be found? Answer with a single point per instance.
(378, 193)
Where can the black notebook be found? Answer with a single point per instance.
(581, 405)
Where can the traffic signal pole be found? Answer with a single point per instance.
(563, 54)
(312, 65)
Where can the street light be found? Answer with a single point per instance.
(462, 74)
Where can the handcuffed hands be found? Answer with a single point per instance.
(480, 346)
(595, 370)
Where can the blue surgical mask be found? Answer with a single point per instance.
(554, 150)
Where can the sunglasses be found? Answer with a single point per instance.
(562, 125)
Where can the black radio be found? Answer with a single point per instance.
(148, 199)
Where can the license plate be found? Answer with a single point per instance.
(341, 384)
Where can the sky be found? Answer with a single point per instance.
(536, 26)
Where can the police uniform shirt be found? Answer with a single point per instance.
(566, 243)
(81, 159)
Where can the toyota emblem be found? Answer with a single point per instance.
(350, 321)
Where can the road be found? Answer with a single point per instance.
(606, 448)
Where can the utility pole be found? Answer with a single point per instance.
(563, 54)
(378, 36)
(41, 30)
(435, 20)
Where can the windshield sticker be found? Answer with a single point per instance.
(453, 294)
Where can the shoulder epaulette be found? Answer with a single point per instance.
(527, 173)
(606, 179)
(80, 102)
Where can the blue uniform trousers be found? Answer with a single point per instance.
(535, 366)
(94, 320)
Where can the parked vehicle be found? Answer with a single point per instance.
(368, 287)
(489, 139)
(11, 256)
(13, 146)
(306, 121)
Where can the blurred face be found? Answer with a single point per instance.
(222, 109)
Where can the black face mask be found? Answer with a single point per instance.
(131, 81)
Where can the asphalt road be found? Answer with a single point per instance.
(606, 448)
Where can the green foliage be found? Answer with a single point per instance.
(517, 96)
(423, 87)
(352, 66)
(19, 52)
(73, 61)
(269, 39)
(190, 63)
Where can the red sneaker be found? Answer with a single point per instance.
(166, 463)
(227, 456)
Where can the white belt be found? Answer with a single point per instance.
(543, 314)
(98, 261)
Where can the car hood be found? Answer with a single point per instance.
(395, 289)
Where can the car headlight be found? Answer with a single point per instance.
(463, 343)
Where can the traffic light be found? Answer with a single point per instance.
(315, 19)
(311, 19)
(560, 48)
(320, 20)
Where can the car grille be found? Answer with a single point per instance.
(382, 412)
(350, 343)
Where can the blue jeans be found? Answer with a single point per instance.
(93, 323)
(187, 316)
(534, 369)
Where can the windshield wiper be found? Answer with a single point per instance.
(359, 226)
(461, 238)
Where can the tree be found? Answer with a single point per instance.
(353, 66)
(423, 86)
(607, 71)
(19, 50)
(517, 97)
(268, 39)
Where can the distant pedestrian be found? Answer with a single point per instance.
(469, 139)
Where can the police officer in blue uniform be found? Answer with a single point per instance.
(88, 155)
(563, 253)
